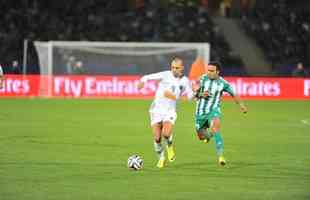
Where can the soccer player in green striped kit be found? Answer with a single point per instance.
(208, 108)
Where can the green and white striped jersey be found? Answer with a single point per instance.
(215, 89)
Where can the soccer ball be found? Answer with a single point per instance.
(135, 162)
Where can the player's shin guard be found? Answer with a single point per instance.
(219, 144)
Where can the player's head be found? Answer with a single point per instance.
(177, 67)
(213, 70)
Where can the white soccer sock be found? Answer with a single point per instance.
(158, 147)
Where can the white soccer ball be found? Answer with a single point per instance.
(135, 162)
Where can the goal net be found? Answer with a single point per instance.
(114, 58)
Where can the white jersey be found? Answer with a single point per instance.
(1, 71)
(167, 81)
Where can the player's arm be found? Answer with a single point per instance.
(168, 94)
(238, 101)
(189, 91)
(156, 76)
(236, 97)
(195, 86)
(198, 90)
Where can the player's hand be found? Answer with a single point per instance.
(140, 85)
(243, 108)
(206, 94)
(170, 95)
(1, 84)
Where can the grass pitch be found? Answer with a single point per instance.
(78, 149)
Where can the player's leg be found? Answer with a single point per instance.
(201, 133)
(167, 135)
(156, 128)
(158, 147)
(156, 123)
(168, 123)
(167, 132)
(202, 124)
(215, 130)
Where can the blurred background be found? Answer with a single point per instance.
(249, 37)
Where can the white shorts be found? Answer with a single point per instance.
(158, 117)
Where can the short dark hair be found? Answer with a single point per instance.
(217, 64)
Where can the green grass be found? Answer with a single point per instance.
(78, 149)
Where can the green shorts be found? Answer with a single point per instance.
(204, 121)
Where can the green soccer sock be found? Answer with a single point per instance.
(219, 144)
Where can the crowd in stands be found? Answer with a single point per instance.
(283, 31)
(99, 20)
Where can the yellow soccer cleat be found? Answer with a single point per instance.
(222, 161)
(206, 141)
(171, 153)
(161, 163)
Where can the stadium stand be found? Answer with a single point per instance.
(96, 20)
(283, 31)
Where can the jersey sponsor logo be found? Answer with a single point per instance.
(181, 87)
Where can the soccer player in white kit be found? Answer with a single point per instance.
(1, 77)
(172, 85)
